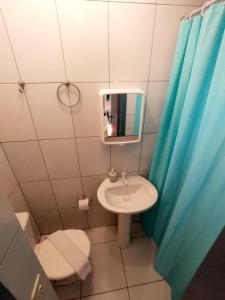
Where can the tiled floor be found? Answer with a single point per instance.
(119, 274)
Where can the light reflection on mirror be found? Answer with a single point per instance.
(122, 114)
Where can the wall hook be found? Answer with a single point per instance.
(21, 86)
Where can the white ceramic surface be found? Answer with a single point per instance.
(135, 197)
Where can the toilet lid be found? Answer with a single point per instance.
(53, 263)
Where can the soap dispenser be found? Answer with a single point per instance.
(112, 175)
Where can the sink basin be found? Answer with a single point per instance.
(134, 197)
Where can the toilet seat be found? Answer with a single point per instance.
(53, 263)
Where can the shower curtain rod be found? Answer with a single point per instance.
(201, 9)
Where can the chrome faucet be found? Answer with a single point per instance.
(123, 177)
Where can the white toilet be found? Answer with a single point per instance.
(54, 264)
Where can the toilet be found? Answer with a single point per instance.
(57, 269)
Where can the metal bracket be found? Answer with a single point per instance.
(21, 86)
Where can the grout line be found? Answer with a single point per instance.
(9, 164)
(45, 164)
(87, 82)
(62, 178)
(124, 288)
(12, 191)
(152, 43)
(55, 82)
(60, 37)
(124, 271)
(10, 43)
(30, 210)
(60, 138)
(144, 2)
(18, 185)
(145, 283)
(109, 83)
(68, 178)
(10, 245)
(108, 30)
(100, 293)
(149, 71)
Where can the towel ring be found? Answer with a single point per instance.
(68, 84)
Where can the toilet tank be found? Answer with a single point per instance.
(25, 223)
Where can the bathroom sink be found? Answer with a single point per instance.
(126, 197)
(138, 195)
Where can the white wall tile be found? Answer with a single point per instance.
(26, 160)
(127, 157)
(85, 39)
(7, 178)
(8, 226)
(86, 115)
(154, 107)
(73, 218)
(180, 2)
(94, 156)
(36, 231)
(67, 191)
(91, 185)
(18, 201)
(8, 70)
(136, 1)
(61, 158)
(39, 195)
(51, 118)
(20, 268)
(16, 122)
(129, 85)
(165, 37)
(98, 216)
(34, 33)
(146, 153)
(48, 221)
(130, 38)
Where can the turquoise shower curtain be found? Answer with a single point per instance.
(188, 166)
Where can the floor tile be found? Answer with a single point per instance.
(151, 291)
(115, 295)
(108, 273)
(68, 292)
(138, 260)
(102, 234)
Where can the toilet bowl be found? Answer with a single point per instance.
(57, 269)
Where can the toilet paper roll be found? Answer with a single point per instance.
(83, 204)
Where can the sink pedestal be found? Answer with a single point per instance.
(123, 235)
(125, 200)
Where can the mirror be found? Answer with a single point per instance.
(122, 115)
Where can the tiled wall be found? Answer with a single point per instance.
(56, 153)
(10, 189)
(18, 263)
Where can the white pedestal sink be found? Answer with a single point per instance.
(126, 199)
